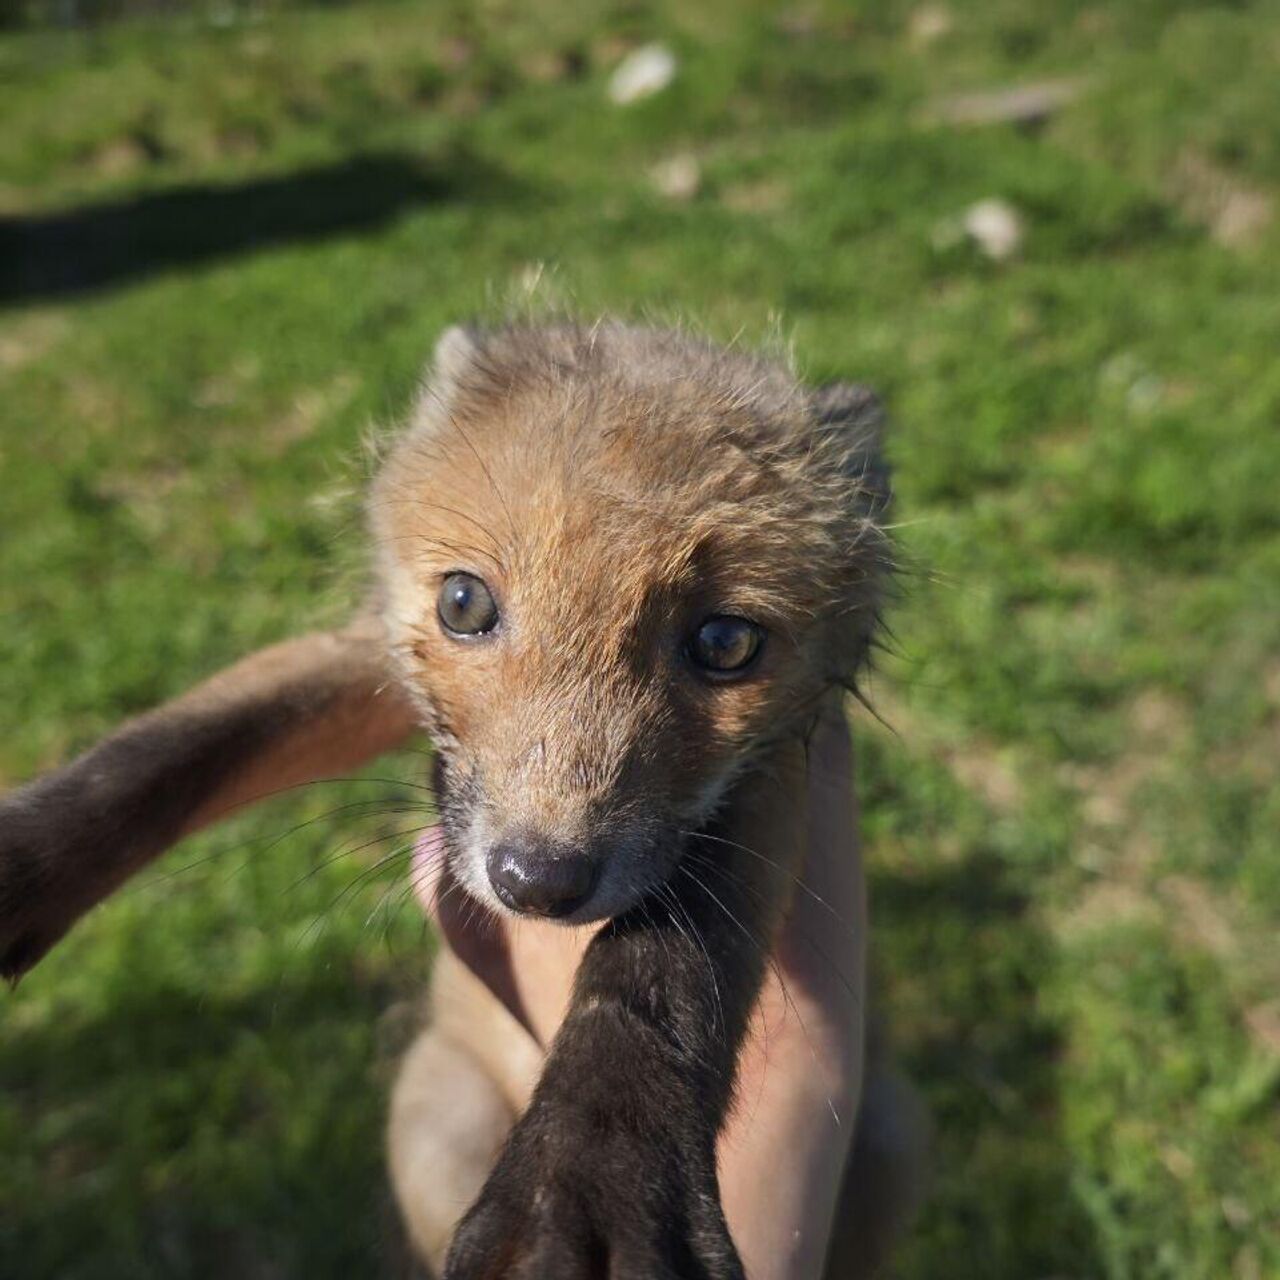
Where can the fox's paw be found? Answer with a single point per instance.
(36, 906)
(591, 1189)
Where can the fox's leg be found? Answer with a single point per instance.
(613, 1163)
(300, 710)
(459, 1090)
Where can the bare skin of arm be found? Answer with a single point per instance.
(311, 707)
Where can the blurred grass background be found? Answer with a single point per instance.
(228, 237)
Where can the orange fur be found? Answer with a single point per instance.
(613, 486)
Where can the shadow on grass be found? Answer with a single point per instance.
(98, 246)
(963, 961)
(207, 1138)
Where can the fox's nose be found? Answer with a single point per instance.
(539, 880)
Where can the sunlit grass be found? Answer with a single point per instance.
(1073, 836)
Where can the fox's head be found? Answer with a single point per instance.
(617, 562)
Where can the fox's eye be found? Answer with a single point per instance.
(466, 606)
(725, 645)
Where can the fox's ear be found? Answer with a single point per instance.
(456, 351)
(454, 363)
(854, 414)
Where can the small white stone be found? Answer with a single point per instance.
(1121, 371)
(1146, 394)
(1242, 218)
(1020, 104)
(995, 226)
(1236, 1212)
(928, 23)
(679, 177)
(1125, 375)
(642, 73)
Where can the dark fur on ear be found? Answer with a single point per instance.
(851, 417)
(857, 414)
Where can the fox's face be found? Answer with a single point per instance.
(616, 563)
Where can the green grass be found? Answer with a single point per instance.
(1073, 836)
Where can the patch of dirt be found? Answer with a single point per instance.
(1096, 572)
(609, 49)
(1159, 728)
(1066, 441)
(310, 408)
(222, 390)
(1263, 1022)
(766, 195)
(1252, 757)
(1200, 917)
(1113, 840)
(1236, 214)
(550, 66)
(240, 141)
(1271, 684)
(31, 338)
(679, 177)
(97, 404)
(1107, 903)
(1215, 922)
(456, 52)
(928, 24)
(1177, 1161)
(130, 152)
(1159, 719)
(1104, 790)
(13, 198)
(141, 490)
(980, 768)
(979, 765)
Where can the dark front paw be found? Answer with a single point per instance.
(28, 926)
(41, 880)
(600, 1186)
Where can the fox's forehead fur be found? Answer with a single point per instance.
(651, 456)
(614, 487)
